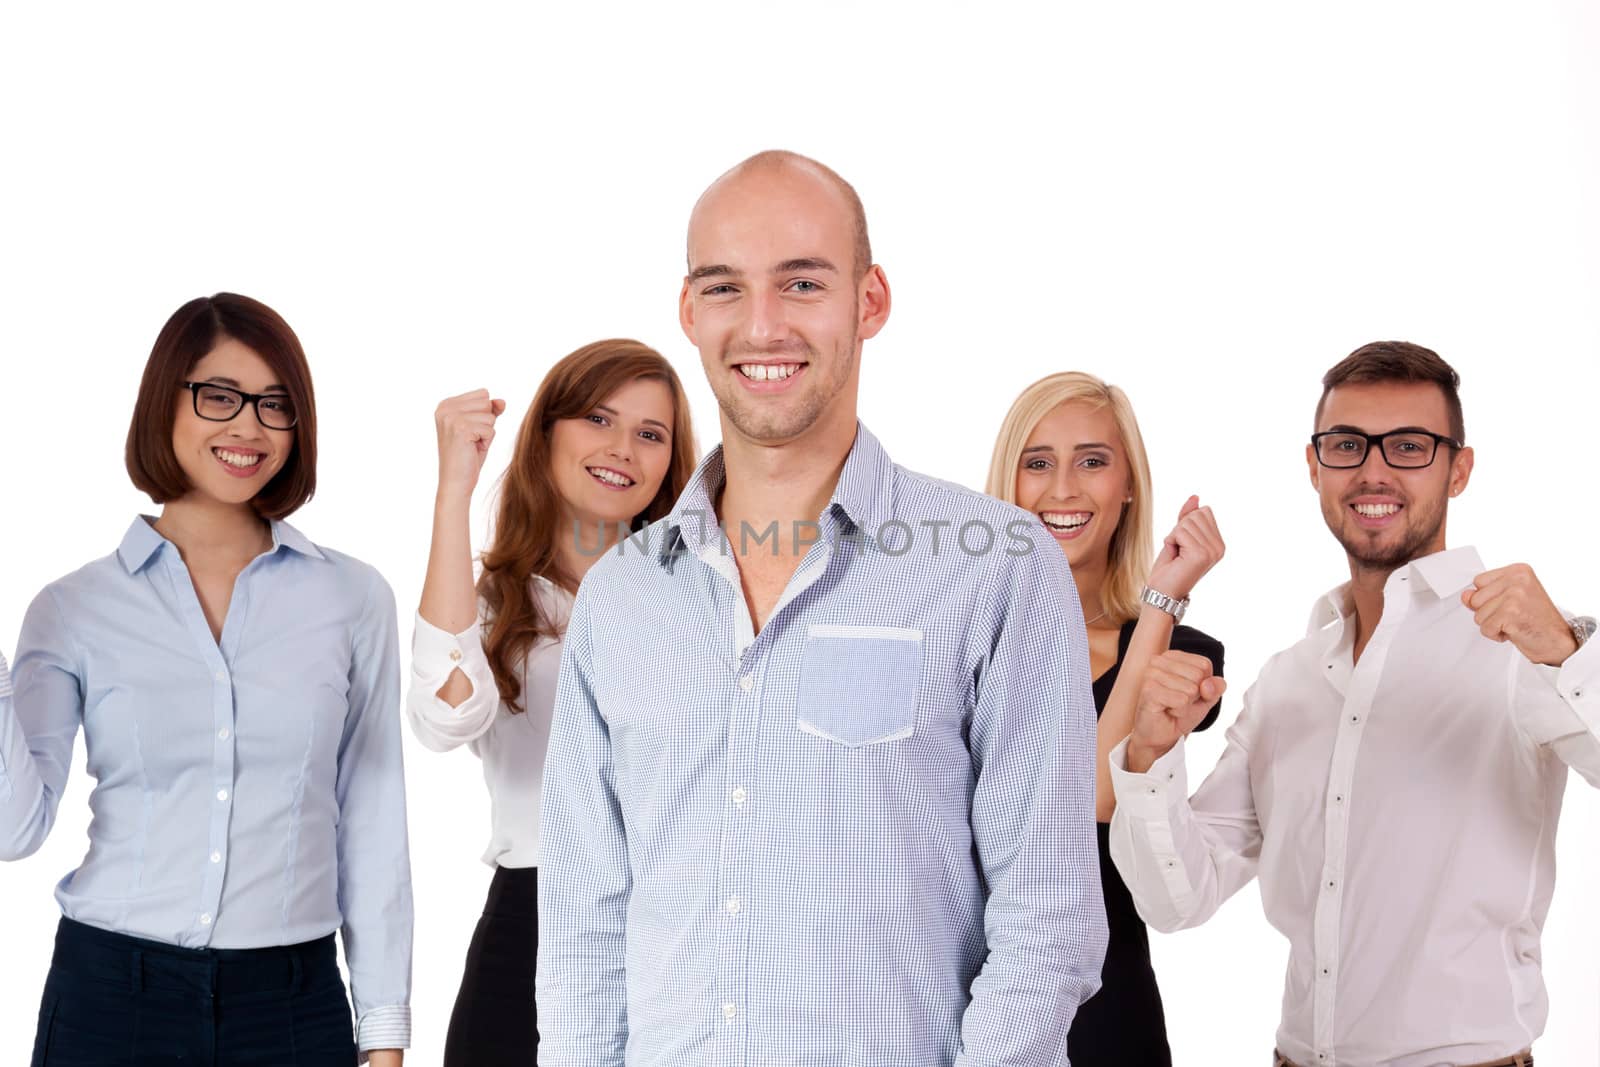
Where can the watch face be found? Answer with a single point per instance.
(1584, 627)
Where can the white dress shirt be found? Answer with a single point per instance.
(1401, 814)
(512, 747)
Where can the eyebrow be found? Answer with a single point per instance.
(788, 266)
(1346, 428)
(218, 379)
(647, 422)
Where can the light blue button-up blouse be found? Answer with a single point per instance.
(248, 792)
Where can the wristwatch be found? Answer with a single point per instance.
(1172, 607)
(1583, 627)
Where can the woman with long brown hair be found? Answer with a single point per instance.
(605, 447)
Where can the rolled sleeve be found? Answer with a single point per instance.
(435, 654)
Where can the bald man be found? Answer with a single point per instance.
(819, 787)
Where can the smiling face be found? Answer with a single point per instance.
(231, 461)
(773, 303)
(1074, 474)
(1384, 516)
(608, 464)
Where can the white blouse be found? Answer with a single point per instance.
(512, 747)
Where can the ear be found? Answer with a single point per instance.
(1461, 471)
(873, 299)
(686, 312)
(1316, 468)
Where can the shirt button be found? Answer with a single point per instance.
(455, 655)
(222, 734)
(733, 905)
(1330, 885)
(216, 857)
(222, 794)
(205, 920)
(220, 676)
(747, 683)
(729, 1010)
(738, 795)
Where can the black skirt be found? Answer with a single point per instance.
(494, 1023)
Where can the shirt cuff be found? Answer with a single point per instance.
(435, 652)
(1150, 795)
(384, 1028)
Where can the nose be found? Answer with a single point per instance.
(767, 322)
(1065, 482)
(620, 443)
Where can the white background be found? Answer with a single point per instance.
(1205, 203)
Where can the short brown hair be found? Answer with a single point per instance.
(1397, 361)
(192, 331)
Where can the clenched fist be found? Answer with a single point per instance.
(466, 429)
(1192, 548)
(1510, 604)
(1179, 688)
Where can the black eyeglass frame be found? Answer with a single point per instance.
(252, 399)
(1376, 440)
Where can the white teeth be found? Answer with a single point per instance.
(1065, 520)
(1376, 511)
(768, 372)
(610, 477)
(236, 459)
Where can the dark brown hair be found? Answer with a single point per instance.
(192, 331)
(1397, 361)
(528, 519)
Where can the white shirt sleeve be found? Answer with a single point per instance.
(435, 653)
(1182, 857)
(1560, 708)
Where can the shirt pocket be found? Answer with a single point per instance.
(858, 684)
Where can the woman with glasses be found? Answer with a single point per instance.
(1070, 451)
(236, 685)
(605, 447)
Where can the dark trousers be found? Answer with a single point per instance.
(117, 1001)
(494, 1023)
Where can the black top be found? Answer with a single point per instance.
(1123, 1023)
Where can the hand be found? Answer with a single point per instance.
(1509, 604)
(1179, 688)
(385, 1057)
(1192, 548)
(466, 429)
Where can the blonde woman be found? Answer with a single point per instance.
(1070, 452)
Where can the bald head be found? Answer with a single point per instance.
(779, 164)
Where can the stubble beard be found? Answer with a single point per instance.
(1420, 532)
(767, 422)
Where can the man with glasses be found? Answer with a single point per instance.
(1395, 778)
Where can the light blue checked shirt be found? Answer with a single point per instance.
(863, 836)
(245, 795)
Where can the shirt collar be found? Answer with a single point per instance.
(141, 543)
(1444, 574)
(863, 494)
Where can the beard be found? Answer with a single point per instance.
(763, 420)
(1372, 553)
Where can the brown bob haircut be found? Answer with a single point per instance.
(192, 331)
(1397, 361)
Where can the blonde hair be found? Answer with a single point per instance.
(1131, 548)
